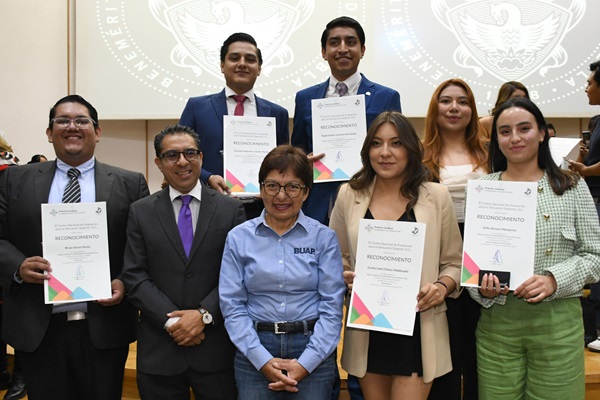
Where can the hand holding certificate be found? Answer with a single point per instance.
(499, 231)
(339, 128)
(389, 259)
(563, 149)
(246, 142)
(75, 241)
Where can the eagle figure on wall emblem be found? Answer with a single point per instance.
(200, 27)
(510, 39)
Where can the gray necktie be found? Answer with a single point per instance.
(342, 88)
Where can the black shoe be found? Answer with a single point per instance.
(4, 380)
(17, 389)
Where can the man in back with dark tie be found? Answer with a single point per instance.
(241, 62)
(175, 241)
(74, 350)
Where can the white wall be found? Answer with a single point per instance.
(35, 71)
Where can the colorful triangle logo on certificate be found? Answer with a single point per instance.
(59, 292)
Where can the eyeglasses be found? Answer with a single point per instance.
(80, 122)
(291, 189)
(173, 156)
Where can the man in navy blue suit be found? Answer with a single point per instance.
(241, 62)
(342, 46)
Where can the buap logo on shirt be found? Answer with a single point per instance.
(304, 250)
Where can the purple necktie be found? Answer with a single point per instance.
(186, 229)
(239, 107)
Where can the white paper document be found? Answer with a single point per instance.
(339, 127)
(75, 242)
(246, 142)
(499, 230)
(561, 148)
(389, 260)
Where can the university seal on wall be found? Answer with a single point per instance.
(494, 41)
(172, 46)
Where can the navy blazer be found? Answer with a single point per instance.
(160, 278)
(378, 99)
(204, 114)
(22, 191)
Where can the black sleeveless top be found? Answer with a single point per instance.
(392, 354)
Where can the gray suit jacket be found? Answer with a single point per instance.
(160, 279)
(22, 191)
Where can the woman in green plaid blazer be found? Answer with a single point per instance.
(530, 342)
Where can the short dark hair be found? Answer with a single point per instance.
(37, 158)
(595, 68)
(344, 22)
(74, 98)
(287, 158)
(240, 37)
(174, 130)
(560, 180)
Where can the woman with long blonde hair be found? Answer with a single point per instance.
(456, 151)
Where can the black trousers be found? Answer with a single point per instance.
(463, 316)
(218, 385)
(66, 365)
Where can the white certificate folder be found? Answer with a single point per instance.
(389, 259)
(499, 230)
(75, 242)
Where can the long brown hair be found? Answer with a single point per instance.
(415, 172)
(432, 141)
(559, 179)
(506, 90)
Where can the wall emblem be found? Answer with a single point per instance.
(200, 27)
(511, 39)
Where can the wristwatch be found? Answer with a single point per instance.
(207, 317)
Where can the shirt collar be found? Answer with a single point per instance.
(353, 82)
(249, 94)
(196, 192)
(302, 222)
(83, 168)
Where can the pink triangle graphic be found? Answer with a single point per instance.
(57, 285)
(234, 181)
(360, 307)
(470, 265)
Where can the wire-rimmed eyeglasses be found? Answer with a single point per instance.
(80, 122)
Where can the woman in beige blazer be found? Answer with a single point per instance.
(392, 185)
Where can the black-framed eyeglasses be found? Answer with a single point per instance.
(80, 122)
(291, 189)
(173, 156)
